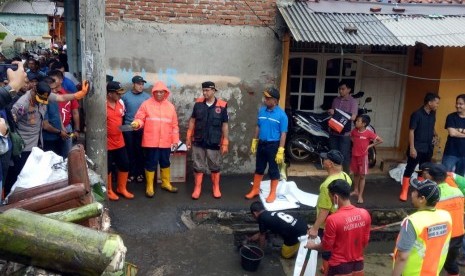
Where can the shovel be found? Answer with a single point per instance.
(125, 128)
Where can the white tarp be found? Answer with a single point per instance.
(288, 196)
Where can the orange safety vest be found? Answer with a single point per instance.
(450, 180)
(452, 201)
(427, 256)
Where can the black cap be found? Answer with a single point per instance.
(271, 93)
(43, 90)
(114, 86)
(427, 188)
(340, 187)
(208, 84)
(425, 167)
(438, 172)
(137, 79)
(334, 156)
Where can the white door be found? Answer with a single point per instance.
(386, 90)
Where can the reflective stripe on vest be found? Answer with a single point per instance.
(428, 254)
(452, 201)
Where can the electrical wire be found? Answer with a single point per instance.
(263, 21)
(401, 74)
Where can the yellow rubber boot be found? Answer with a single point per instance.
(165, 181)
(216, 184)
(272, 196)
(257, 179)
(122, 182)
(149, 176)
(111, 195)
(198, 177)
(405, 185)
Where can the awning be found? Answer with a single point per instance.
(447, 31)
(306, 25)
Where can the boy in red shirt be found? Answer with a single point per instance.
(347, 232)
(361, 138)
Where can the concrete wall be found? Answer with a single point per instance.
(445, 66)
(30, 27)
(241, 60)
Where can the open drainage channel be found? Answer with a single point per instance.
(241, 224)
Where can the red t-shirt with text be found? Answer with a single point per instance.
(361, 141)
(346, 234)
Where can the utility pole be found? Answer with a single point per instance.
(92, 28)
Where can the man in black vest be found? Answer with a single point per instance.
(207, 136)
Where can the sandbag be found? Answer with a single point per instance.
(310, 269)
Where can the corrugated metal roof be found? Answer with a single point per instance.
(35, 7)
(372, 29)
(305, 25)
(412, 7)
(432, 31)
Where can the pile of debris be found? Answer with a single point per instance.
(59, 228)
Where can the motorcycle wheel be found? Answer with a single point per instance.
(296, 153)
(371, 157)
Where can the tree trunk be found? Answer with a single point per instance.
(78, 214)
(33, 239)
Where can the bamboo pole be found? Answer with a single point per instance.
(33, 239)
(78, 214)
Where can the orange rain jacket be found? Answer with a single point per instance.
(159, 120)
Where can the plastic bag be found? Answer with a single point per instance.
(40, 168)
(310, 269)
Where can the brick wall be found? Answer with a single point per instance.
(222, 12)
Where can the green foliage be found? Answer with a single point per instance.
(2, 35)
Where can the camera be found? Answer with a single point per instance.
(3, 68)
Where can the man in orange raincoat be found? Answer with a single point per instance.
(157, 116)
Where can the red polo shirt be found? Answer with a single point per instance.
(114, 121)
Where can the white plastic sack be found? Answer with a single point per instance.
(398, 172)
(310, 269)
(39, 169)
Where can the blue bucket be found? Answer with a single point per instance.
(251, 257)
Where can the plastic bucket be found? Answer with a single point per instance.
(251, 257)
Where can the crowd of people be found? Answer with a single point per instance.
(429, 240)
(39, 102)
(38, 108)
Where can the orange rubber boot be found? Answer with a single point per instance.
(216, 184)
(405, 185)
(198, 177)
(272, 196)
(257, 179)
(122, 183)
(111, 195)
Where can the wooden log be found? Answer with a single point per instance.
(49, 199)
(31, 192)
(77, 173)
(78, 214)
(70, 204)
(32, 239)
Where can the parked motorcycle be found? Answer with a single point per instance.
(308, 134)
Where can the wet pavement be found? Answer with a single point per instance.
(160, 243)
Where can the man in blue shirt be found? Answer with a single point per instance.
(133, 139)
(268, 142)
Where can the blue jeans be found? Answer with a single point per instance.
(451, 162)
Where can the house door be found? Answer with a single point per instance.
(386, 89)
